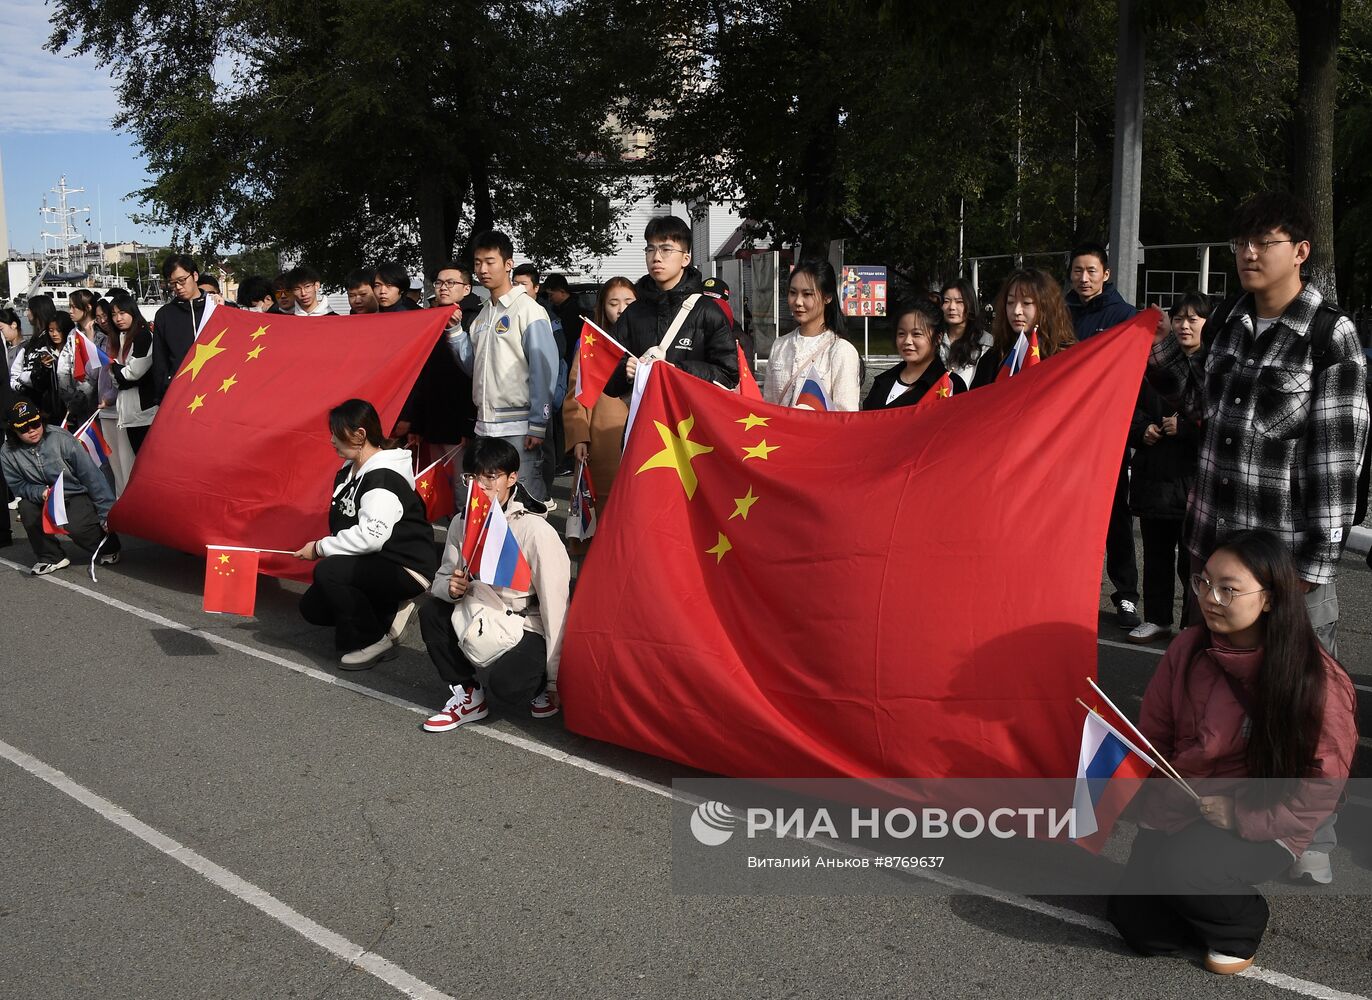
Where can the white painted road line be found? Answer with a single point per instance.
(1293, 984)
(335, 944)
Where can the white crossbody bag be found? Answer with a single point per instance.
(486, 629)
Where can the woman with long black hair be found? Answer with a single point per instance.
(33, 371)
(963, 337)
(1030, 302)
(816, 342)
(1251, 710)
(131, 367)
(906, 384)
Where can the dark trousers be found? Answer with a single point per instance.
(1206, 878)
(136, 436)
(359, 596)
(1120, 565)
(83, 525)
(1165, 559)
(514, 680)
(6, 518)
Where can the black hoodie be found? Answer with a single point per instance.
(173, 333)
(703, 346)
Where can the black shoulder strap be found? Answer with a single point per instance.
(1327, 317)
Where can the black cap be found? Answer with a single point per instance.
(24, 415)
(717, 287)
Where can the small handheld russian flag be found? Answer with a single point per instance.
(1110, 770)
(497, 558)
(1024, 353)
(581, 514)
(93, 440)
(85, 356)
(812, 395)
(55, 509)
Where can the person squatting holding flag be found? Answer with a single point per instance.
(41, 461)
(1248, 694)
(380, 552)
(493, 622)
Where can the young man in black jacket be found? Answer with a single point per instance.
(703, 343)
(176, 323)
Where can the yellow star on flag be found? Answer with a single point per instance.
(753, 420)
(944, 391)
(720, 549)
(203, 354)
(589, 338)
(743, 504)
(228, 383)
(196, 403)
(1034, 351)
(261, 331)
(224, 558)
(678, 451)
(256, 352)
(760, 450)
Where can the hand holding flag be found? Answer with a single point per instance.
(489, 548)
(55, 509)
(85, 356)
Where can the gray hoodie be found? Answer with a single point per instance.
(31, 469)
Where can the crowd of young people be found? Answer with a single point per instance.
(1242, 465)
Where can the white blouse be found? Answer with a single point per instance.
(833, 358)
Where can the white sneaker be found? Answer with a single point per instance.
(44, 568)
(1225, 965)
(1312, 866)
(544, 706)
(369, 656)
(14, 504)
(466, 705)
(1147, 632)
(401, 621)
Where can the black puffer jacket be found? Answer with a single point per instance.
(704, 346)
(1161, 475)
(173, 333)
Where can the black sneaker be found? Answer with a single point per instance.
(1127, 617)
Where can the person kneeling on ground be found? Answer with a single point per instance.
(33, 459)
(1248, 694)
(526, 672)
(380, 554)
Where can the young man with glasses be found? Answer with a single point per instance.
(304, 285)
(702, 342)
(176, 323)
(1279, 388)
(525, 675)
(512, 359)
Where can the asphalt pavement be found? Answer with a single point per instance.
(198, 806)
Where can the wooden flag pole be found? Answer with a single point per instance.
(1144, 740)
(1167, 771)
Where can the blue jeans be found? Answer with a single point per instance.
(530, 467)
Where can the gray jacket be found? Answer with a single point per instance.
(32, 469)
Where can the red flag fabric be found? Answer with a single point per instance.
(478, 510)
(747, 384)
(741, 615)
(435, 487)
(1033, 358)
(599, 356)
(230, 581)
(239, 453)
(939, 391)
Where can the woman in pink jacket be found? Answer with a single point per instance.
(1250, 694)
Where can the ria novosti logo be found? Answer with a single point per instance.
(713, 823)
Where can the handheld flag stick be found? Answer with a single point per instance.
(442, 458)
(1162, 761)
(249, 548)
(1167, 771)
(596, 326)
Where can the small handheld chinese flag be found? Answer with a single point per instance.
(940, 390)
(435, 487)
(230, 581)
(598, 355)
(747, 383)
(478, 509)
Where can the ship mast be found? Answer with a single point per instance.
(59, 241)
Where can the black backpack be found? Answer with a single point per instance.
(1321, 336)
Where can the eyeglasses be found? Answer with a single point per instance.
(1259, 247)
(1224, 596)
(660, 250)
(485, 479)
(450, 283)
(177, 283)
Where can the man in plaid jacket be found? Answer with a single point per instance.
(1280, 392)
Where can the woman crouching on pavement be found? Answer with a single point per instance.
(1249, 694)
(498, 641)
(380, 553)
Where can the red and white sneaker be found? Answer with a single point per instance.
(544, 706)
(466, 705)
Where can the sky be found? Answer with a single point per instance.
(55, 114)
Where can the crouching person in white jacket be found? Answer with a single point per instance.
(510, 640)
(380, 551)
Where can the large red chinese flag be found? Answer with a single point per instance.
(239, 452)
(908, 592)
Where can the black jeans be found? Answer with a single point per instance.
(514, 680)
(136, 436)
(1120, 565)
(359, 596)
(6, 518)
(1206, 877)
(1164, 559)
(83, 525)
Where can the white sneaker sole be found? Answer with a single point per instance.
(447, 726)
